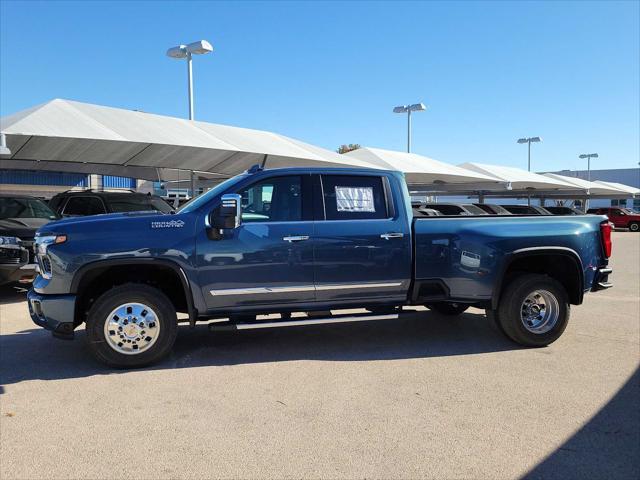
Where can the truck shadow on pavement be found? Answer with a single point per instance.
(12, 294)
(608, 446)
(32, 353)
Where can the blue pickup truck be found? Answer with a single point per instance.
(309, 240)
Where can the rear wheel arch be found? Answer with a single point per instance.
(561, 263)
(93, 279)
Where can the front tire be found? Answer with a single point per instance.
(131, 326)
(450, 309)
(634, 227)
(533, 310)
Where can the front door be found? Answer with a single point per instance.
(362, 240)
(268, 259)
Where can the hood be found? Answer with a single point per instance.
(89, 220)
(21, 227)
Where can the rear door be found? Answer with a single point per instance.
(362, 239)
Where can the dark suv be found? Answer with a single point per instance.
(20, 217)
(94, 202)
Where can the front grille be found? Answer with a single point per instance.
(28, 244)
(13, 256)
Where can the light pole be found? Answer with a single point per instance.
(416, 107)
(588, 156)
(529, 141)
(186, 51)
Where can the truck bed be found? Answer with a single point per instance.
(464, 257)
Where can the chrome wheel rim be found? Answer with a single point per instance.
(131, 328)
(540, 311)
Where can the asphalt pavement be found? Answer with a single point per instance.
(424, 397)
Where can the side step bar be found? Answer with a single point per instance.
(220, 327)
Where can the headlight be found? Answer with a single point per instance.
(9, 241)
(42, 242)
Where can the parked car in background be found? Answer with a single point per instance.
(620, 217)
(564, 210)
(456, 208)
(527, 210)
(427, 212)
(94, 202)
(20, 217)
(493, 209)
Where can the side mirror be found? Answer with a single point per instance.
(227, 216)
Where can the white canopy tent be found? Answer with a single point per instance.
(426, 173)
(592, 189)
(521, 181)
(631, 191)
(98, 139)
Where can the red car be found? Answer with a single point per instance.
(620, 217)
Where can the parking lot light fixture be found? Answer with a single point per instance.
(588, 156)
(416, 107)
(529, 141)
(200, 47)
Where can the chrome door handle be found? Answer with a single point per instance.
(387, 236)
(295, 238)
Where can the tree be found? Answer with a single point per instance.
(348, 148)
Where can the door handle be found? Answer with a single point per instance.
(295, 238)
(387, 236)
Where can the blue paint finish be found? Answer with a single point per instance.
(467, 254)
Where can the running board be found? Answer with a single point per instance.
(218, 327)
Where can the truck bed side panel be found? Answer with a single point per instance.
(468, 255)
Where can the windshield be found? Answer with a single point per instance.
(136, 203)
(197, 202)
(25, 208)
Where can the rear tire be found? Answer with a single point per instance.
(131, 326)
(533, 310)
(450, 309)
(634, 227)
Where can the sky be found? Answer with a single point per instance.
(330, 73)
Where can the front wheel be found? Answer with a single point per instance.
(634, 227)
(445, 308)
(131, 326)
(533, 310)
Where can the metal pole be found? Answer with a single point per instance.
(529, 157)
(190, 74)
(193, 185)
(589, 168)
(408, 131)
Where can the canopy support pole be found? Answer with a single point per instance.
(193, 184)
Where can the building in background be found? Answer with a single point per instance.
(626, 176)
(47, 184)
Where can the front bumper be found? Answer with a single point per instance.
(53, 312)
(24, 273)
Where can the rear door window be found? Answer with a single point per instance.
(354, 197)
(81, 206)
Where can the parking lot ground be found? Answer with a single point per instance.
(426, 397)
